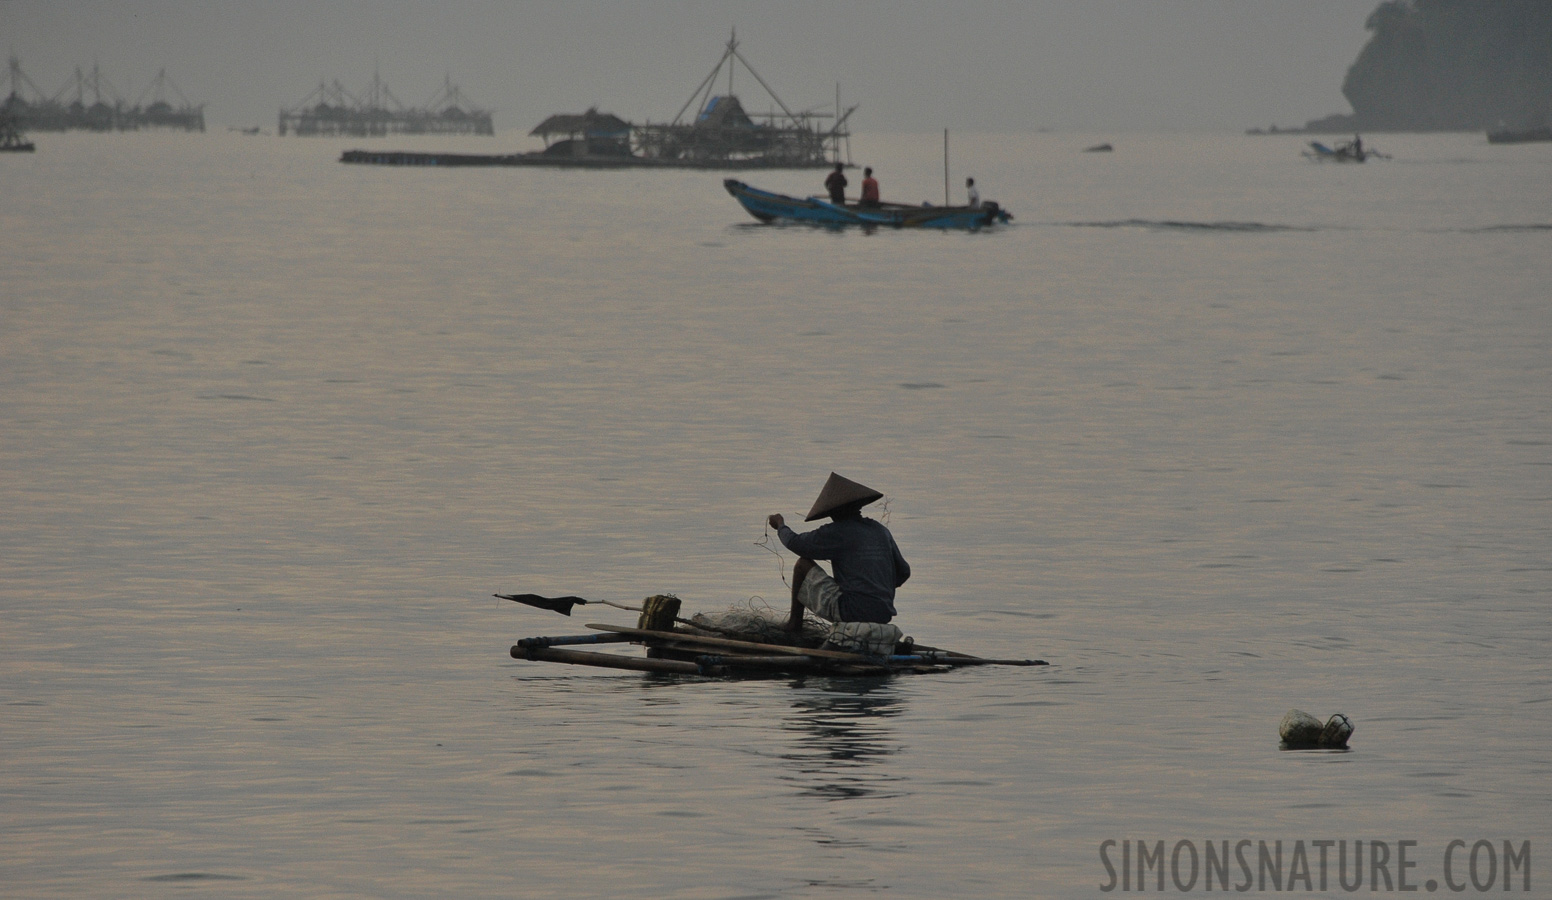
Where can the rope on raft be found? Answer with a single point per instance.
(765, 543)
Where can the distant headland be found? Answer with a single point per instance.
(1447, 65)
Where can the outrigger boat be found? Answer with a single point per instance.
(677, 646)
(769, 207)
(1346, 152)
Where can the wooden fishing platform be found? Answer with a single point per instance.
(568, 161)
(720, 134)
(686, 650)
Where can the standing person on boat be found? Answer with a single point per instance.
(867, 563)
(973, 194)
(869, 188)
(836, 185)
(1358, 147)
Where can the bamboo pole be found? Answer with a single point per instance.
(961, 660)
(642, 634)
(539, 643)
(921, 656)
(760, 662)
(606, 660)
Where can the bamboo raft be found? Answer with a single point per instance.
(678, 646)
(691, 651)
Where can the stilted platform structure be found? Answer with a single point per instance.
(89, 102)
(592, 134)
(723, 134)
(161, 113)
(332, 111)
(723, 131)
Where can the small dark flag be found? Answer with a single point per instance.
(561, 605)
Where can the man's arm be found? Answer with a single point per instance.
(817, 544)
(783, 533)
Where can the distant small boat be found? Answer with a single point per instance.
(1347, 152)
(769, 207)
(11, 138)
(1520, 135)
(1098, 148)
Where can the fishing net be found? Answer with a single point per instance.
(756, 621)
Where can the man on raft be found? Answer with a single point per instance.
(868, 566)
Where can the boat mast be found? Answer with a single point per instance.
(733, 49)
(707, 82)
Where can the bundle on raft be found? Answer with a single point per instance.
(699, 646)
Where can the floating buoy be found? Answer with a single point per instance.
(1301, 730)
(1338, 729)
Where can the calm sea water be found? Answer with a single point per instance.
(1216, 430)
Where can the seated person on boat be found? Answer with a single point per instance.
(867, 563)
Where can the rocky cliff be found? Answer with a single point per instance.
(1439, 65)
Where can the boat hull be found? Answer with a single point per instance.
(1342, 153)
(767, 206)
(1520, 135)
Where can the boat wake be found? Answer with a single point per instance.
(1188, 226)
(1180, 225)
(1495, 229)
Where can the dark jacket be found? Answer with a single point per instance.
(836, 185)
(867, 563)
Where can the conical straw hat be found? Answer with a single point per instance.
(839, 492)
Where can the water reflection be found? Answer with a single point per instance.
(843, 732)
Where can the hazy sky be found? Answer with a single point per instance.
(912, 65)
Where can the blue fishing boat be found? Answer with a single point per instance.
(769, 207)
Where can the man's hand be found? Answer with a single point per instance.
(775, 521)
